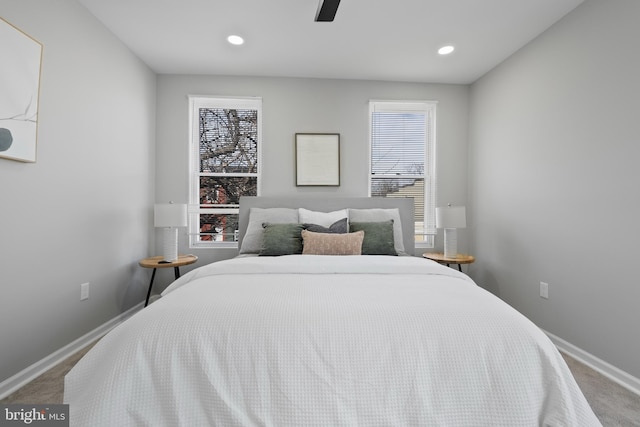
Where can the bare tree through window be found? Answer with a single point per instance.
(227, 162)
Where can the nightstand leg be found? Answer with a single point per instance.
(153, 275)
(176, 272)
(460, 267)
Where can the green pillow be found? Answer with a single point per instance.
(378, 237)
(281, 239)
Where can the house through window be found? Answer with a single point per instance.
(224, 165)
(402, 158)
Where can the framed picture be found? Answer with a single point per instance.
(318, 159)
(20, 88)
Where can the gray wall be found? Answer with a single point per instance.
(293, 105)
(554, 137)
(550, 183)
(82, 212)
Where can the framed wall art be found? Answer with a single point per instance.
(20, 88)
(317, 159)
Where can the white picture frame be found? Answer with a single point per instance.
(317, 159)
(20, 87)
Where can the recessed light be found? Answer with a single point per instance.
(236, 40)
(446, 50)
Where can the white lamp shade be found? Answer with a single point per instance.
(451, 217)
(170, 215)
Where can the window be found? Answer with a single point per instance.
(402, 163)
(224, 165)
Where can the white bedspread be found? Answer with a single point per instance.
(308, 340)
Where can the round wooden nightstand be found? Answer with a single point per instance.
(459, 259)
(157, 262)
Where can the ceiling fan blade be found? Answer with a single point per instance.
(327, 10)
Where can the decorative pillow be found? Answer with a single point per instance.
(252, 240)
(378, 237)
(338, 227)
(376, 215)
(324, 219)
(331, 243)
(281, 239)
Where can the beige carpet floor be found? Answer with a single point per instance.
(614, 405)
(48, 387)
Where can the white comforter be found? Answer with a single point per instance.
(307, 340)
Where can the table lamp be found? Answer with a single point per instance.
(170, 216)
(451, 218)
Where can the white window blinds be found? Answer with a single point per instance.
(402, 161)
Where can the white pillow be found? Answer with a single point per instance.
(324, 219)
(252, 240)
(377, 215)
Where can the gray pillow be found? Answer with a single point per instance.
(252, 240)
(378, 237)
(338, 227)
(281, 239)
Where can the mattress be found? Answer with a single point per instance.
(305, 340)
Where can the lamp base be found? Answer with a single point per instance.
(450, 243)
(170, 244)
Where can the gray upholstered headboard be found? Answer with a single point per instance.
(323, 204)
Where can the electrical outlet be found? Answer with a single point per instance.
(84, 291)
(544, 290)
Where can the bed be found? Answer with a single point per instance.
(308, 339)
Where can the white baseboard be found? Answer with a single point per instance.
(616, 375)
(30, 373)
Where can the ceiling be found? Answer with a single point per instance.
(392, 40)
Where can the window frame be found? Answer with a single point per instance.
(195, 210)
(429, 175)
